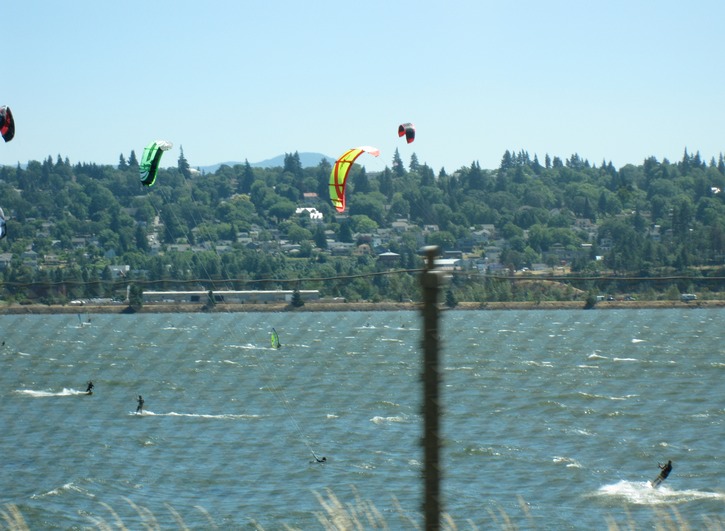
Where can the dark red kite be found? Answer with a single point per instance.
(408, 130)
(7, 124)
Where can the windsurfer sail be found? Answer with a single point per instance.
(274, 339)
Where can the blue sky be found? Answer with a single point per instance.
(235, 79)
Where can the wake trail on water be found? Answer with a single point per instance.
(192, 415)
(45, 394)
(643, 493)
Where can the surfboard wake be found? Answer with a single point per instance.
(191, 415)
(45, 394)
(643, 493)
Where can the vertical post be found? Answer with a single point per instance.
(430, 281)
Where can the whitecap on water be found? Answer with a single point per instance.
(68, 487)
(386, 420)
(193, 415)
(567, 461)
(642, 493)
(43, 394)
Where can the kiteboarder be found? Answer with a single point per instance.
(89, 389)
(666, 469)
(318, 460)
(139, 408)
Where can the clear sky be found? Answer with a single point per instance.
(230, 80)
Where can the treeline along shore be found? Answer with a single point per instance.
(42, 309)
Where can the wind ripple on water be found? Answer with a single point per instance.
(560, 408)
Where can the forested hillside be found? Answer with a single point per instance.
(649, 229)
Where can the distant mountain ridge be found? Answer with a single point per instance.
(306, 159)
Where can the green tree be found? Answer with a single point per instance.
(135, 297)
(293, 165)
(451, 300)
(210, 300)
(398, 166)
(386, 183)
(183, 164)
(320, 236)
(246, 179)
(297, 301)
(345, 232)
(282, 209)
(297, 234)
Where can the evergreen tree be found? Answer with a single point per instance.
(506, 161)
(536, 165)
(135, 297)
(475, 176)
(386, 183)
(292, 164)
(320, 236)
(297, 301)
(246, 180)
(345, 233)
(686, 162)
(588, 211)
(451, 301)
(362, 183)
(142, 243)
(183, 164)
(427, 177)
(210, 300)
(591, 300)
(398, 166)
(122, 164)
(132, 160)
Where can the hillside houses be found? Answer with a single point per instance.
(482, 248)
(483, 242)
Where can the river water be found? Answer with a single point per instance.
(552, 419)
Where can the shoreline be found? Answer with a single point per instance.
(42, 309)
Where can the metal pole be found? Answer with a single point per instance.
(430, 281)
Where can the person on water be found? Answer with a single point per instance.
(666, 469)
(139, 408)
(318, 460)
(89, 389)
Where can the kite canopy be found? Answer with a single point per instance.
(408, 130)
(3, 228)
(150, 161)
(338, 175)
(7, 124)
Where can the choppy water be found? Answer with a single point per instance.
(556, 419)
